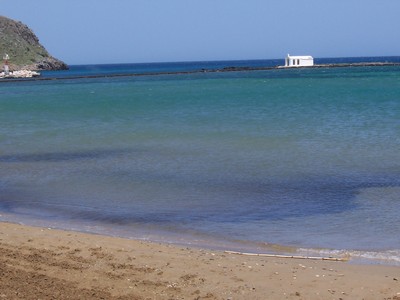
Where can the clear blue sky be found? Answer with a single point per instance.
(119, 31)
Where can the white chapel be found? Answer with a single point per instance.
(299, 61)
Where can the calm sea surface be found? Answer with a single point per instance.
(303, 158)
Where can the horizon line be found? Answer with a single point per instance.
(222, 60)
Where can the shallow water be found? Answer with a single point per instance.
(305, 158)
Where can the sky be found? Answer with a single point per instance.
(136, 31)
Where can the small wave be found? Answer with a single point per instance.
(386, 257)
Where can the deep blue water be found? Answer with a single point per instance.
(306, 158)
(143, 68)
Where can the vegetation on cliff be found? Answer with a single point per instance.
(24, 49)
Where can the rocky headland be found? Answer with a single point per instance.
(24, 48)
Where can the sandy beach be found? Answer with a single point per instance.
(44, 263)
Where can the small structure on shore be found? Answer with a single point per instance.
(6, 68)
(299, 61)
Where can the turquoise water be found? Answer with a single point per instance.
(305, 158)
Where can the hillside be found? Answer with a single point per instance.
(24, 49)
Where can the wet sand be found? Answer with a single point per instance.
(43, 263)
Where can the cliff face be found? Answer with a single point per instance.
(24, 49)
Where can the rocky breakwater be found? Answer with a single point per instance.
(20, 74)
(24, 48)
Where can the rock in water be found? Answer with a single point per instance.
(24, 49)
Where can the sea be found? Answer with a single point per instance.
(297, 161)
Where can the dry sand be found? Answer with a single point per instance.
(42, 263)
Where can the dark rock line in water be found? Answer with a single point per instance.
(226, 69)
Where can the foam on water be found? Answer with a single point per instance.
(389, 257)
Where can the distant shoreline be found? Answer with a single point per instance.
(219, 70)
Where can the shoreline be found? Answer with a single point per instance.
(221, 70)
(198, 240)
(45, 263)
